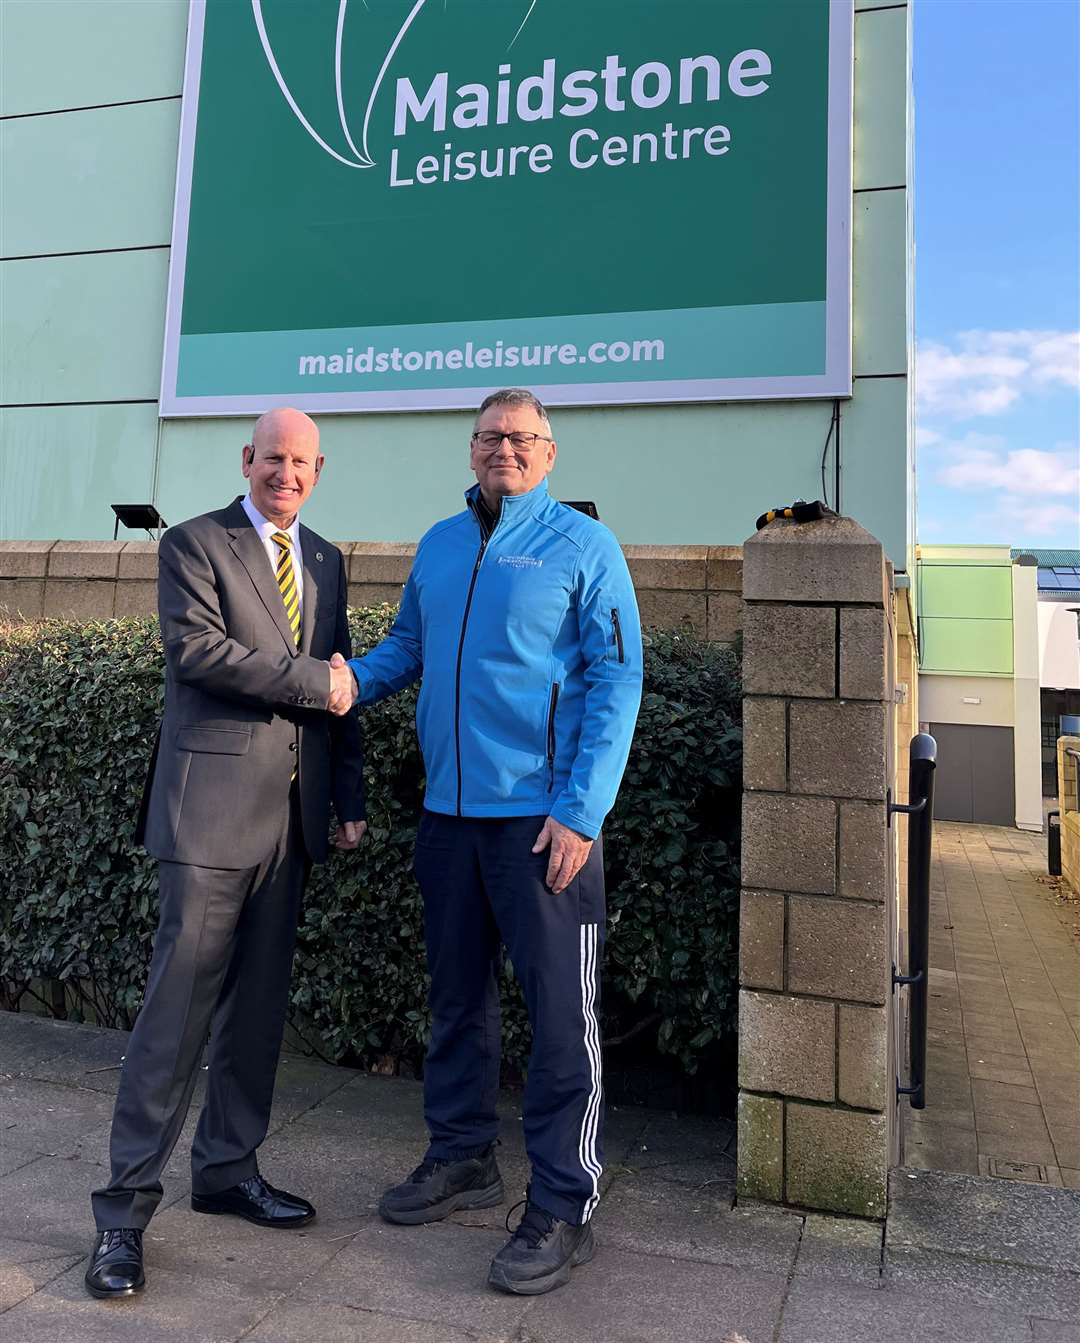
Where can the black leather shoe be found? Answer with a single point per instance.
(436, 1188)
(540, 1254)
(116, 1267)
(258, 1202)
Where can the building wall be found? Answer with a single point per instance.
(91, 96)
(942, 700)
(979, 643)
(966, 610)
(1059, 645)
(1027, 712)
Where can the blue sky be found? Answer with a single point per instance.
(997, 272)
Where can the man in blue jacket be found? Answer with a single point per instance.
(520, 618)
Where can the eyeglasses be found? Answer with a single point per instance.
(490, 441)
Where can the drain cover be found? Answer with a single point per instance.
(1017, 1170)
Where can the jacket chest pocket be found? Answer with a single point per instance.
(214, 740)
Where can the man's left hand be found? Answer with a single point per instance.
(569, 853)
(349, 834)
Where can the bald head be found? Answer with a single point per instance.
(284, 422)
(282, 463)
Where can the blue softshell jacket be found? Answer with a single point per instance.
(528, 644)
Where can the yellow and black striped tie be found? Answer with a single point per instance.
(286, 581)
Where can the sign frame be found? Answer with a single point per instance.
(834, 382)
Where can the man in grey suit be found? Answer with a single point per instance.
(256, 743)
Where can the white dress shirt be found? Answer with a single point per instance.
(266, 530)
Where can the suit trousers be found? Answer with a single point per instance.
(222, 961)
(482, 886)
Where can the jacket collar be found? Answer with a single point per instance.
(515, 507)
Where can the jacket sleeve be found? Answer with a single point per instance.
(199, 650)
(346, 733)
(398, 660)
(610, 631)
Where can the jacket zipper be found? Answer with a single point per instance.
(617, 627)
(551, 736)
(461, 648)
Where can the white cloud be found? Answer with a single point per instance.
(985, 372)
(1041, 520)
(1027, 495)
(982, 465)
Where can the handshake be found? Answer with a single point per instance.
(343, 689)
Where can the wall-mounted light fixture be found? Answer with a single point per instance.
(137, 516)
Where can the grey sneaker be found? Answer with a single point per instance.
(540, 1254)
(436, 1188)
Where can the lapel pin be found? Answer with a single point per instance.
(318, 556)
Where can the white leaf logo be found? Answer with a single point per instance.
(362, 157)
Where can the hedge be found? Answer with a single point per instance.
(79, 704)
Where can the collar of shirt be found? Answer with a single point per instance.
(266, 530)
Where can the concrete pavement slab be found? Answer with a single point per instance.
(52, 1118)
(651, 1216)
(25, 1267)
(49, 1201)
(685, 1149)
(957, 1281)
(14, 1158)
(231, 1250)
(302, 1084)
(385, 1107)
(1001, 1220)
(1054, 1331)
(342, 1172)
(293, 1322)
(931, 1146)
(815, 1312)
(27, 1042)
(629, 1298)
(436, 1273)
(840, 1249)
(172, 1309)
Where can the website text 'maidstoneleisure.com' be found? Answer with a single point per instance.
(469, 355)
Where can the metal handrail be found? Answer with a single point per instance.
(921, 768)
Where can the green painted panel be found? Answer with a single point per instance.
(969, 646)
(976, 592)
(82, 53)
(881, 88)
(875, 476)
(62, 466)
(88, 180)
(879, 261)
(83, 328)
(664, 475)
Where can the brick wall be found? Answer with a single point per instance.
(1069, 807)
(815, 1097)
(678, 587)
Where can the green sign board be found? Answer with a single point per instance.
(401, 204)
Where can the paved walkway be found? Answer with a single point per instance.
(1003, 1057)
(962, 1259)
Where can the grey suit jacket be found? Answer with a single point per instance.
(243, 707)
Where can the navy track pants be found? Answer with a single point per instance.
(483, 887)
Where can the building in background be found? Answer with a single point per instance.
(979, 683)
(1058, 586)
(93, 92)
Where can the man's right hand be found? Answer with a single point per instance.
(343, 689)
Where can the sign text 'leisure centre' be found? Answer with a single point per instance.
(398, 206)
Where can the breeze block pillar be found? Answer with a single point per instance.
(815, 1066)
